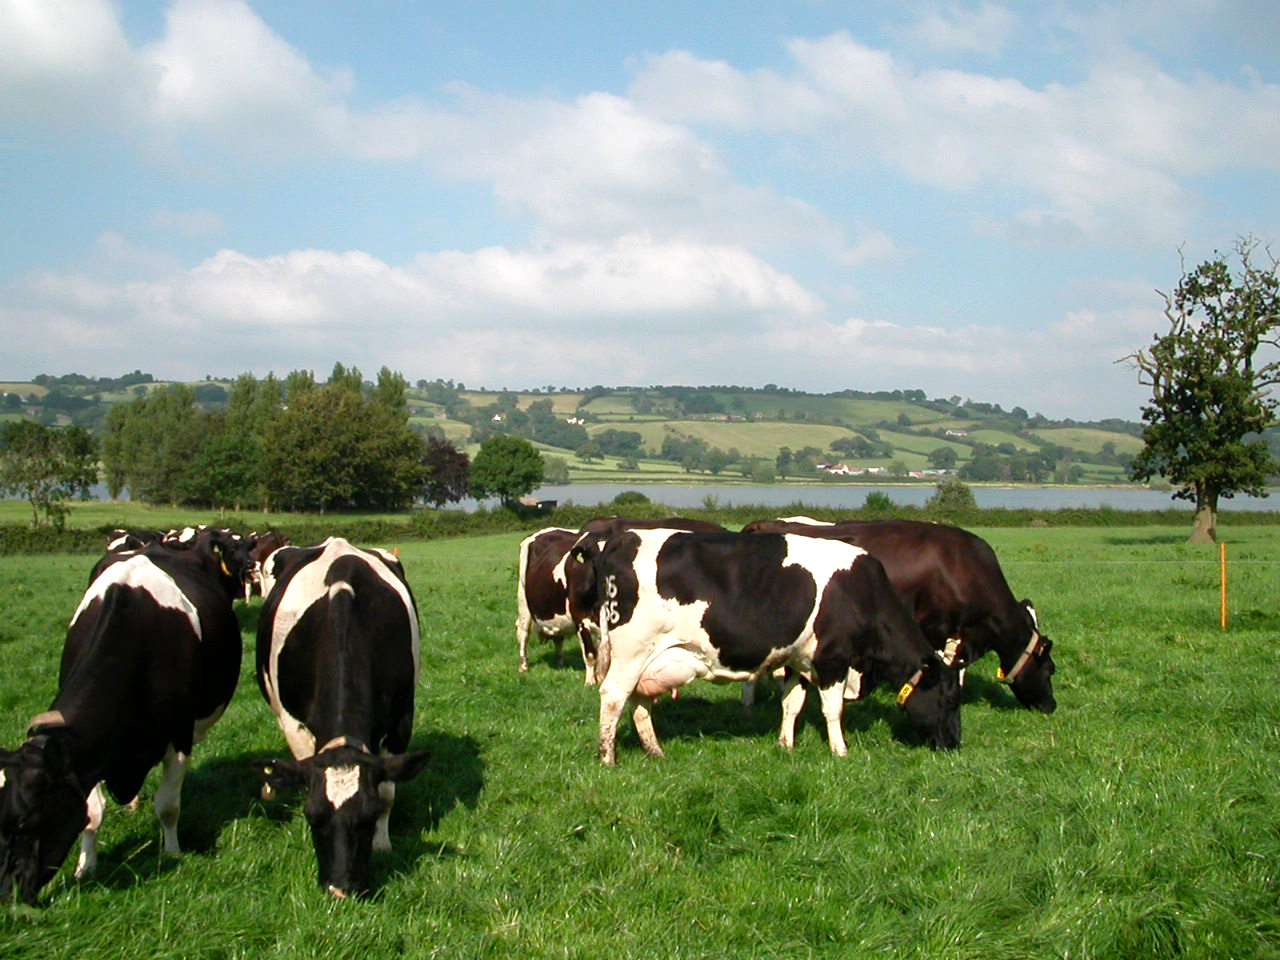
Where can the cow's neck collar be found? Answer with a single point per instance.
(344, 741)
(908, 688)
(1033, 645)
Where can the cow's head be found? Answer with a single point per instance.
(42, 811)
(1030, 674)
(230, 553)
(344, 801)
(931, 701)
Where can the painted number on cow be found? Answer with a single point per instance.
(609, 609)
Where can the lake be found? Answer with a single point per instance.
(853, 495)
(841, 495)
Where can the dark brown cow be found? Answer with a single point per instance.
(952, 582)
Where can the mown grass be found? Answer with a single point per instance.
(1142, 819)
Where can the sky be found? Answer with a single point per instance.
(975, 199)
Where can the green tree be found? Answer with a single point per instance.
(951, 497)
(944, 458)
(150, 443)
(556, 470)
(506, 467)
(1209, 397)
(47, 466)
(332, 449)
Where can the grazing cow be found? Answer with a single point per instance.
(264, 545)
(542, 603)
(337, 660)
(676, 605)
(951, 580)
(119, 540)
(151, 659)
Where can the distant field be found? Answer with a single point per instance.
(1138, 821)
(752, 439)
(1084, 438)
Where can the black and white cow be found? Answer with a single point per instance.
(264, 545)
(677, 605)
(542, 595)
(952, 582)
(542, 599)
(151, 659)
(337, 660)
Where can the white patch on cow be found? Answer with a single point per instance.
(659, 624)
(3, 775)
(1035, 619)
(341, 784)
(303, 589)
(141, 574)
(809, 520)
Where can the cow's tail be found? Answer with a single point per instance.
(522, 603)
(342, 614)
(604, 649)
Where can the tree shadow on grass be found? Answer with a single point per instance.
(1146, 539)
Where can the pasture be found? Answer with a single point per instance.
(1142, 819)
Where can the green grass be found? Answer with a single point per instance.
(1140, 820)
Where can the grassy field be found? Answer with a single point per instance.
(1142, 819)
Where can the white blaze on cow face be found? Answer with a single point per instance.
(140, 573)
(341, 784)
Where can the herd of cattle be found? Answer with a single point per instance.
(153, 652)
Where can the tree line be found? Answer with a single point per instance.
(292, 444)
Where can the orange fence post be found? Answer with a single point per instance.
(1222, 577)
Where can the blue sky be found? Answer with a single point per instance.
(971, 198)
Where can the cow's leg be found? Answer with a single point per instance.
(615, 691)
(95, 805)
(748, 695)
(642, 718)
(558, 641)
(522, 639)
(793, 693)
(169, 796)
(833, 710)
(382, 831)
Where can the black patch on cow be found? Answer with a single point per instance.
(756, 605)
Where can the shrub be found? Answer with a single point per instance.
(629, 497)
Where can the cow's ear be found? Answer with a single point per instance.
(284, 774)
(405, 766)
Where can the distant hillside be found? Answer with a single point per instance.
(723, 432)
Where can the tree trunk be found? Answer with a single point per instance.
(1204, 529)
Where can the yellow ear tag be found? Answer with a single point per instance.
(999, 673)
(223, 564)
(905, 693)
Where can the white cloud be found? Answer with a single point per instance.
(64, 63)
(984, 28)
(1108, 158)
(576, 301)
